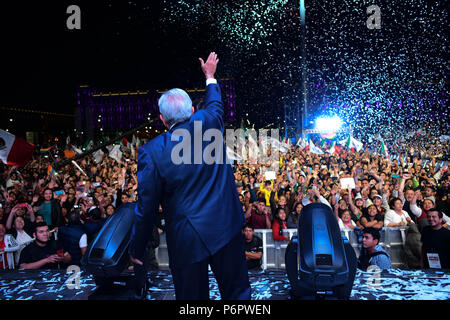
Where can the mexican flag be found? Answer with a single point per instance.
(14, 151)
(115, 153)
(384, 150)
(76, 149)
(353, 144)
(231, 155)
(253, 150)
(348, 144)
(68, 144)
(313, 148)
(334, 149)
(303, 144)
(98, 156)
(88, 145)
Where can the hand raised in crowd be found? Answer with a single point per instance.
(406, 176)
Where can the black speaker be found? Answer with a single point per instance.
(320, 263)
(107, 255)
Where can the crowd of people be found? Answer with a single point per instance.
(403, 192)
(37, 204)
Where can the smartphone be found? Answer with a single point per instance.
(22, 205)
(60, 253)
(80, 188)
(395, 176)
(59, 192)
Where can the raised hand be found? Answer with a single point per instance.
(209, 67)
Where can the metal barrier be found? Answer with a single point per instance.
(392, 239)
(161, 252)
(2, 254)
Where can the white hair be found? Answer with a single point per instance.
(175, 105)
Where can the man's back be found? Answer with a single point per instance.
(195, 186)
(202, 208)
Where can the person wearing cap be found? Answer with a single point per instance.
(357, 210)
(377, 200)
(358, 207)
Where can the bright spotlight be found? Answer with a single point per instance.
(328, 124)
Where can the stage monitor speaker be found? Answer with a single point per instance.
(320, 263)
(107, 255)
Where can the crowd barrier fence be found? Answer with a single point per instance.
(392, 239)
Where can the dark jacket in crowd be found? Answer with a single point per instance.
(70, 237)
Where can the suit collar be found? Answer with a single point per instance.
(175, 125)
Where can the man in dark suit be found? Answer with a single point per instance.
(203, 214)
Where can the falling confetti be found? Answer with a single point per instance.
(388, 81)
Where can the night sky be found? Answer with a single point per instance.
(360, 74)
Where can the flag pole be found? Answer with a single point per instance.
(102, 145)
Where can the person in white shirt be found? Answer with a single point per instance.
(309, 198)
(397, 217)
(345, 221)
(21, 236)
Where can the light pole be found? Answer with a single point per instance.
(303, 51)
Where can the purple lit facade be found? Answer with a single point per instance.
(111, 111)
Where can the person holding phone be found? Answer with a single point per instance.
(258, 215)
(50, 209)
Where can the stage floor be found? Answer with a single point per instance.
(394, 284)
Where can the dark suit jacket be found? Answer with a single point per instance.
(200, 201)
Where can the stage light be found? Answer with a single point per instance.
(328, 124)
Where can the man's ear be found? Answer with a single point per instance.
(192, 110)
(163, 121)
